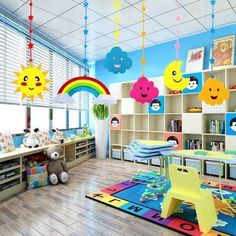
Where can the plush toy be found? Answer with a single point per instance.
(57, 169)
(58, 136)
(31, 139)
(222, 53)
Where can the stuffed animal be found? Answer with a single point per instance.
(58, 136)
(223, 53)
(31, 139)
(57, 169)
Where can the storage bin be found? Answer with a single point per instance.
(116, 154)
(176, 160)
(127, 156)
(232, 171)
(142, 161)
(212, 168)
(193, 163)
(155, 161)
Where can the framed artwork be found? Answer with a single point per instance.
(231, 123)
(195, 82)
(223, 51)
(115, 122)
(157, 105)
(194, 60)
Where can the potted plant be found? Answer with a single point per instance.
(101, 114)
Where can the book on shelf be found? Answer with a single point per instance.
(217, 146)
(192, 144)
(175, 125)
(217, 126)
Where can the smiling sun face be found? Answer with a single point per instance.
(31, 81)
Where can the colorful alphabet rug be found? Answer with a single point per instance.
(126, 197)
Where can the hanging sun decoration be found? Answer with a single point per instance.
(117, 60)
(213, 91)
(143, 90)
(31, 81)
(173, 76)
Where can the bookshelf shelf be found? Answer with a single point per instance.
(141, 122)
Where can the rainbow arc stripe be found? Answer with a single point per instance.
(84, 83)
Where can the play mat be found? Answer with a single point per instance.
(125, 196)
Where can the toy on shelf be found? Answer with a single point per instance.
(31, 139)
(194, 109)
(201, 152)
(57, 169)
(175, 92)
(86, 132)
(58, 136)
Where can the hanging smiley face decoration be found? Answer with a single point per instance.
(117, 61)
(173, 76)
(144, 90)
(31, 81)
(213, 92)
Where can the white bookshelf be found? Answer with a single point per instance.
(137, 122)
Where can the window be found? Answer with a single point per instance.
(73, 118)
(40, 118)
(59, 118)
(13, 118)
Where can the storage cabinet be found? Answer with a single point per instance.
(13, 164)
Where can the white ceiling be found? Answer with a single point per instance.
(62, 21)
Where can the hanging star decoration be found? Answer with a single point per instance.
(172, 75)
(213, 91)
(143, 90)
(31, 81)
(117, 60)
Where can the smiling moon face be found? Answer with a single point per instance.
(213, 92)
(173, 76)
(31, 81)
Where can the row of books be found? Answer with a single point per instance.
(191, 144)
(217, 146)
(175, 126)
(217, 126)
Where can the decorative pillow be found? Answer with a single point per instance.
(37, 176)
(44, 137)
(6, 142)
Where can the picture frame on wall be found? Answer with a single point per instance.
(223, 51)
(194, 60)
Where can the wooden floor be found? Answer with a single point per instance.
(64, 210)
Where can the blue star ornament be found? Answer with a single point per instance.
(117, 61)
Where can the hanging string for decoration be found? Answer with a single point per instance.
(143, 34)
(178, 18)
(85, 32)
(213, 91)
(31, 81)
(212, 60)
(30, 45)
(117, 20)
(173, 76)
(143, 90)
(117, 60)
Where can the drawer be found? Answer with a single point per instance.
(193, 163)
(212, 168)
(127, 156)
(116, 154)
(232, 171)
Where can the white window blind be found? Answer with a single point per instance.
(2, 62)
(42, 55)
(59, 75)
(15, 55)
(73, 118)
